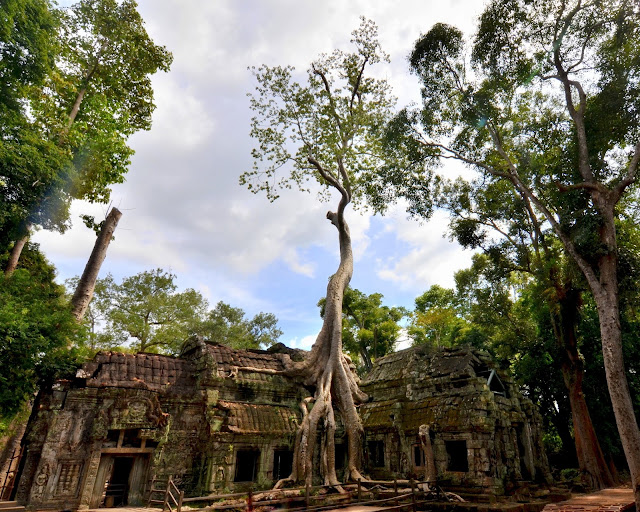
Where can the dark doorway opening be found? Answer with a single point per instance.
(247, 465)
(457, 459)
(376, 454)
(282, 464)
(117, 490)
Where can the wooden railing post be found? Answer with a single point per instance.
(307, 491)
(359, 489)
(250, 500)
(180, 498)
(413, 495)
(165, 503)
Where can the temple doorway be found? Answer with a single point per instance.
(120, 480)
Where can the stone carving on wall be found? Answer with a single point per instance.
(139, 411)
(92, 473)
(40, 483)
(68, 478)
(101, 425)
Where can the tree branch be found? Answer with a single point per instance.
(356, 86)
(630, 177)
(327, 88)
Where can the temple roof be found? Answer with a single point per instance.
(142, 370)
(245, 418)
(427, 362)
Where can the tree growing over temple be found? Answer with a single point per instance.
(324, 133)
(369, 329)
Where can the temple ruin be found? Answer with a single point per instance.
(125, 420)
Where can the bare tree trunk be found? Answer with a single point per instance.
(430, 474)
(87, 283)
(14, 257)
(611, 333)
(335, 381)
(591, 462)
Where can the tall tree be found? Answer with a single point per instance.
(325, 132)
(437, 320)
(229, 326)
(147, 313)
(28, 31)
(36, 327)
(518, 243)
(97, 95)
(550, 109)
(369, 329)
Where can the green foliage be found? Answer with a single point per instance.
(36, 331)
(326, 131)
(75, 84)
(145, 313)
(438, 320)
(369, 329)
(27, 30)
(228, 325)
(543, 106)
(108, 57)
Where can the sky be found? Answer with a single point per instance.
(183, 208)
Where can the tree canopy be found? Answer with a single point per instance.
(229, 326)
(146, 313)
(544, 103)
(79, 82)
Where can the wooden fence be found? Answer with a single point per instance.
(399, 502)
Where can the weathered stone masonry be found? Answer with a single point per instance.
(214, 427)
(486, 436)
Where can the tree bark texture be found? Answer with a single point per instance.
(430, 474)
(14, 257)
(591, 461)
(607, 303)
(84, 291)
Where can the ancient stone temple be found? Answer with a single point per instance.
(485, 436)
(214, 425)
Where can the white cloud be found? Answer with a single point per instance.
(304, 343)
(182, 204)
(430, 258)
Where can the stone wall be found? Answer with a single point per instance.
(486, 436)
(214, 422)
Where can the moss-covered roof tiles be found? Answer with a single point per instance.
(244, 418)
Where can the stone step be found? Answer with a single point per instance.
(10, 506)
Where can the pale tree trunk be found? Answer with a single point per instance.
(14, 257)
(330, 372)
(604, 287)
(602, 278)
(430, 474)
(84, 291)
(74, 111)
(611, 333)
